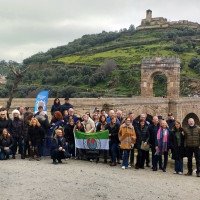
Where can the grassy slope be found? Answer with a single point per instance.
(127, 51)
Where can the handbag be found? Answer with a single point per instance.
(144, 148)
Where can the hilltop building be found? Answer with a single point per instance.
(160, 22)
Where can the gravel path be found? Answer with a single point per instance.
(82, 180)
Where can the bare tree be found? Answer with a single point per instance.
(18, 76)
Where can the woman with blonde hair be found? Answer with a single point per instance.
(35, 136)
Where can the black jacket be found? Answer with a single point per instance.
(66, 106)
(17, 128)
(35, 135)
(56, 144)
(69, 133)
(55, 107)
(7, 142)
(170, 124)
(5, 123)
(142, 134)
(114, 132)
(177, 151)
(153, 130)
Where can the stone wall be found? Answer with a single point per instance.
(152, 106)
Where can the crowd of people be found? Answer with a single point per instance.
(26, 132)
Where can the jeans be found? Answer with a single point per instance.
(125, 157)
(196, 151)
(178, 165)
(19, 141)
(4, 153)
(113, 151)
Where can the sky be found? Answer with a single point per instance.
(31, 26)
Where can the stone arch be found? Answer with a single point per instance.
(191, 115)
(170, 67)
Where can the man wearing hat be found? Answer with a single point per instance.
(17, 128)
(170, 121)
(66, 105)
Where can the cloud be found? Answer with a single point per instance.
(28, 27)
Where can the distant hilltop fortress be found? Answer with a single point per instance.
(160, 22)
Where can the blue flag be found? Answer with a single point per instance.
(41, 100)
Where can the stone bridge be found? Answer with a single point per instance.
(182, 108)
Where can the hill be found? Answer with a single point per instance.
(108, 64)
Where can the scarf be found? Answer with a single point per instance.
(163, 141)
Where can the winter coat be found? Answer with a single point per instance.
(101, 126)
(66, 106)
(35, 135)
(170, 124)
(55, 145)
(89, 126)
(142, 134)
(113, 130)
(6, 142)
(177, 151)
(5, 123)
(192, 136)
(125, 133)
(26, 126)
(69, 133)
(55, 107)
(153, 130)
(17, 128)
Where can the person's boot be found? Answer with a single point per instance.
(37, 154)
(13, 156)
(188, 173)
(22, 156)
(198, 174)
(31, 154)
(59, 161)
(54, 162)
(113, 164)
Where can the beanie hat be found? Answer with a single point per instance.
(16, 112)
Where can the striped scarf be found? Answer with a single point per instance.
(163, 140)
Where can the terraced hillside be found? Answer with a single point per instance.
(108, 64)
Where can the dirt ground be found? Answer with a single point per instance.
(75, 180)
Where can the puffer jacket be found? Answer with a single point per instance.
(125, 136)
(142, 134)
(17, 128)
(192, 136)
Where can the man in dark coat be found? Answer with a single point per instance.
(66, 105)
(170, 121)
(59, 149)
(153, 130)
(192, 144)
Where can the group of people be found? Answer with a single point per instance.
(126, 137)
